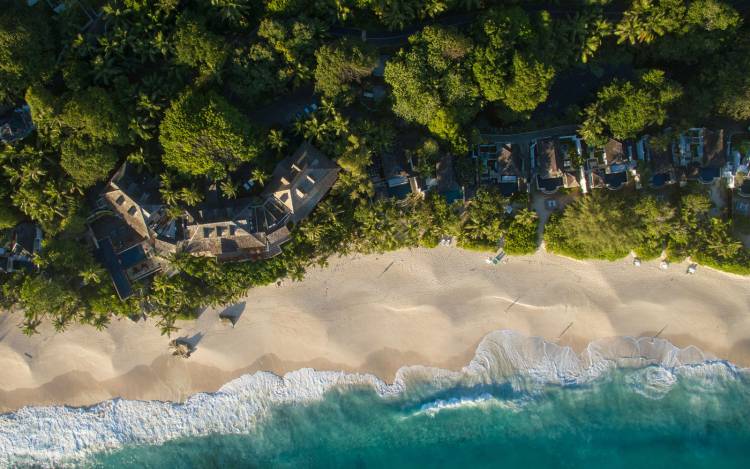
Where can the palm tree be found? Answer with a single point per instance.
(232, 11)
(169, 196)
(229, 189)
(174, 212)
(299, 125)
(327, 107)
(60, 323)
(434, 8)
(32, 171)
(276, 140)
(30, 325)
(339, 124)
(259, 176)
(628, 29)
(395, 13)
(166, 326)
(92, 275)
(312, 232)
(313, 129)
(602, 29)
(190, 196)
(100, 322)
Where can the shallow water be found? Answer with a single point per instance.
(605, 424)
(521, 402)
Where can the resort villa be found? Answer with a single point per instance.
(130, 226)
(132, 229)
(553, 163)
(19, 245)
(659, 162)
(501, 164)
(701, 152)
(608, 166)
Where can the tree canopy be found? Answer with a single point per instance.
(432, 84)
(198, 47)
(507, 65)
(625, 109)
(202, 134)
(27, 50)
(283, 58)
(341, 66)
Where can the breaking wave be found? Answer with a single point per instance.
(521, 367)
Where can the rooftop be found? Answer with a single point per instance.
(548, 161)
(17, 125)
(300, 181)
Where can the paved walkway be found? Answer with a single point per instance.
(524, 137)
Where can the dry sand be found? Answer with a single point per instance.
(377, 313)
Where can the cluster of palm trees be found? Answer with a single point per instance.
(38, 192)
(646, 20)
(397, 14)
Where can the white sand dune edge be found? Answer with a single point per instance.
(430, 307)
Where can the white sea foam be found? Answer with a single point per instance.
(483, 400)
(51, 435)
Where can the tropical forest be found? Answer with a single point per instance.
(208, 96)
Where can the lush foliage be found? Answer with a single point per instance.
(217, 91)
(432, 84)
(202, 134)
(510, 65)
(340, 67)
(27, 50)
(625, 109)
(283, 58)
(610, 227)
(491, 221)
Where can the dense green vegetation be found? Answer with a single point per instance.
(341, 66)
(202, 134)
(625, 110)
(203, 92)
(611, 226)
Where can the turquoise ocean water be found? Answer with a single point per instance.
(520, 403)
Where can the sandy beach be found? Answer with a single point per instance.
(375, 314)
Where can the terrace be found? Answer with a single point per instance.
(501, 164)
(702, 153)
(608, 166)
(661, 164)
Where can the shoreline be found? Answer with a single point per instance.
(377, 313)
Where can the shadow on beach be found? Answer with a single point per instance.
(233, 313)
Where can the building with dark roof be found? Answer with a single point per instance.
(17, 125)
(702, 154)
(132, 228)
(608, 166)
(744, 189)
(24, 241)
(660, 163)
(501, 164)
(552, 163)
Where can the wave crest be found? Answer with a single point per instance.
(54, 434)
